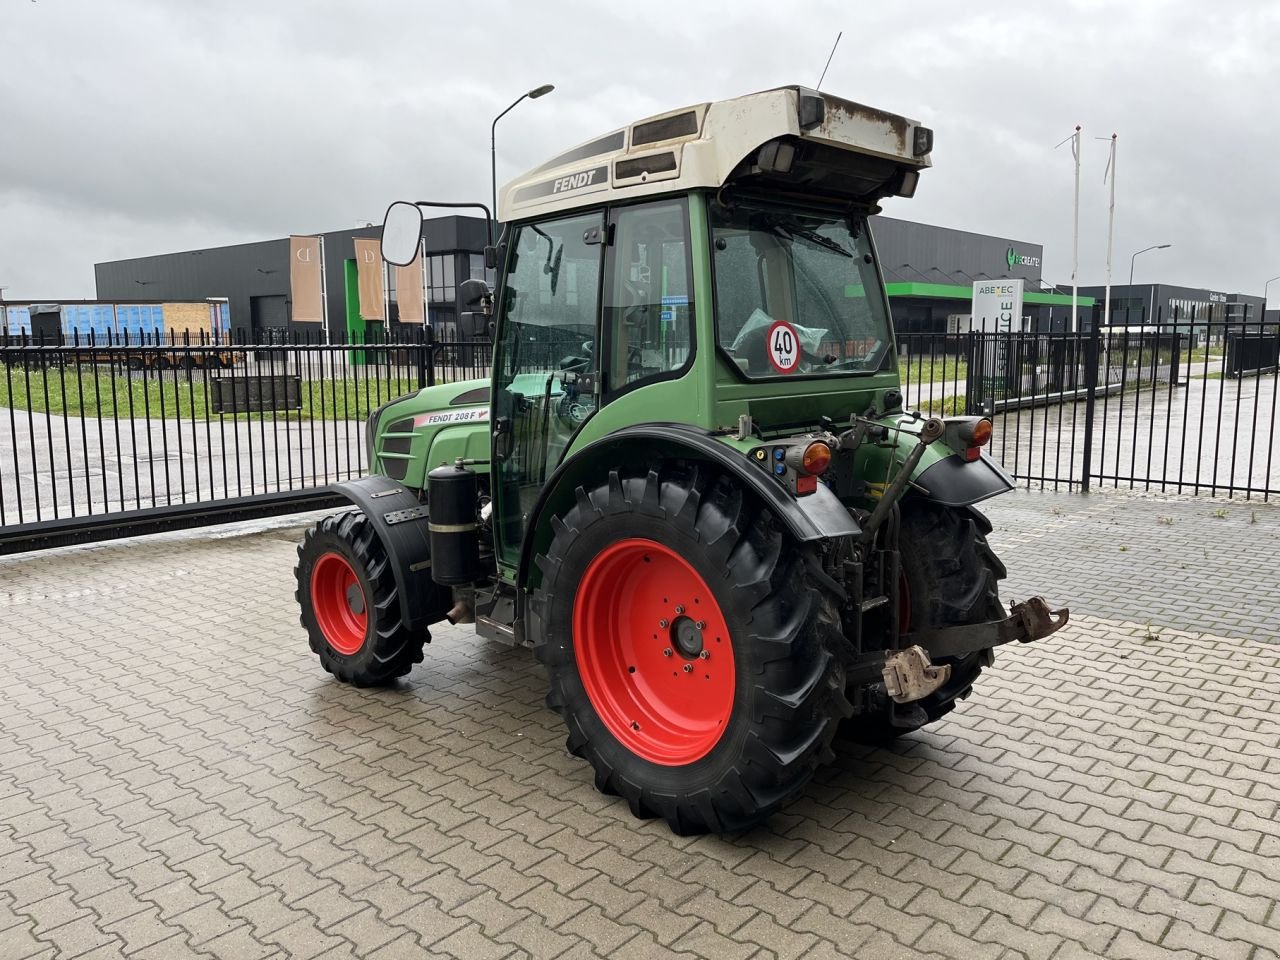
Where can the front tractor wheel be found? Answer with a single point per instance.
(349, 604)
(695, 665)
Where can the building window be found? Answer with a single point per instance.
(441, 283)
(477, 269)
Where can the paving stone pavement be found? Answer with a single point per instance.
(178, 778)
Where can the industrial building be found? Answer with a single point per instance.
(1149, 304)
(254, 279)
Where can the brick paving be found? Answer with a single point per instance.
(178, 778)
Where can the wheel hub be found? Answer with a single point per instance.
(355, 599)
(686, 637)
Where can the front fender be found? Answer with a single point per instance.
(819, 516)
(401, 523)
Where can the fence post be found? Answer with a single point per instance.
(428, 357)
(1090, 399)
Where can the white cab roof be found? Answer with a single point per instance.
(705, 145)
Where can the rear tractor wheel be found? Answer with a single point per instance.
(349, 603)
(695, 665)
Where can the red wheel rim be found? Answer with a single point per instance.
(341, 608)
(654, 652)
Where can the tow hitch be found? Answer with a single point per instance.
(910, 674)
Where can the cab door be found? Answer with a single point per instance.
(547, 361)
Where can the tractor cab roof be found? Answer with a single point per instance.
(790, 138)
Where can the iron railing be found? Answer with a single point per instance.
(130, 435)
(112, 437)
(1182, 406)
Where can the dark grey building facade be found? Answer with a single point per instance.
(929, 274)
(254, 277)
(1149, 304)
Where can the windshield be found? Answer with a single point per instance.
(797, 292)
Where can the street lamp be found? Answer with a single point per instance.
(1264, 294)
(533, 94)
(1152, 307)
(1158, 246)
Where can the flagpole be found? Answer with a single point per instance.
(1111, 231)
(1075, 237)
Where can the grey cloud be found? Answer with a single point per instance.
(140, 126)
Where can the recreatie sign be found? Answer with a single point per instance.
(1015, 259)
(306, 279)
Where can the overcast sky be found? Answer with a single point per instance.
(135, 127)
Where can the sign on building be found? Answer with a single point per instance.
(306, 279)
(997, 312)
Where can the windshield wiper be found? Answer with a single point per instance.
(818, 239)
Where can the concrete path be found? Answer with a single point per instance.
(179, 778)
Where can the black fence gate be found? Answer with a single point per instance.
(120, 436)
(111, 438)
(1185, 406)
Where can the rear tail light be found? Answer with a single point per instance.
(810, 460)
(981, 433)
(980, 437)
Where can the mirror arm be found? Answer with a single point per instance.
(488, 215)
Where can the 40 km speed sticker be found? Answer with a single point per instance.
(783, 347)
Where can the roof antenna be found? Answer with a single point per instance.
(829, 56)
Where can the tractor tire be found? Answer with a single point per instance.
(349, 603)
(696, 665)
(950, 577)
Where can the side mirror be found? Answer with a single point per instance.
(401, 233)
(473, 293)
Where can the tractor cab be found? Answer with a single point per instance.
(689, 483)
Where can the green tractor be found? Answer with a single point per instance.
(690, 483)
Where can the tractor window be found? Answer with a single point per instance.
(546, 358)
(648, 307)
(797, 292)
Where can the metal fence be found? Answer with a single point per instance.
(119, 436)
(1185, 406)
(116, 437)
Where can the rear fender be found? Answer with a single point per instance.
(941, 475)
(401, 523)
(819, 516)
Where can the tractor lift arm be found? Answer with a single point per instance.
(909, 673)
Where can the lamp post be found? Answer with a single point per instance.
(1152, 307)
(533, 94)
(1265, 287)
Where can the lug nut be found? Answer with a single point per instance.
(663, 624)
(700, 624)
(688, 668)
(679, 608)
(667, 652)
(705, 655)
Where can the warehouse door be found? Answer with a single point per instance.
(270, 316)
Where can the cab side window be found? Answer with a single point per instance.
(648, 303)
